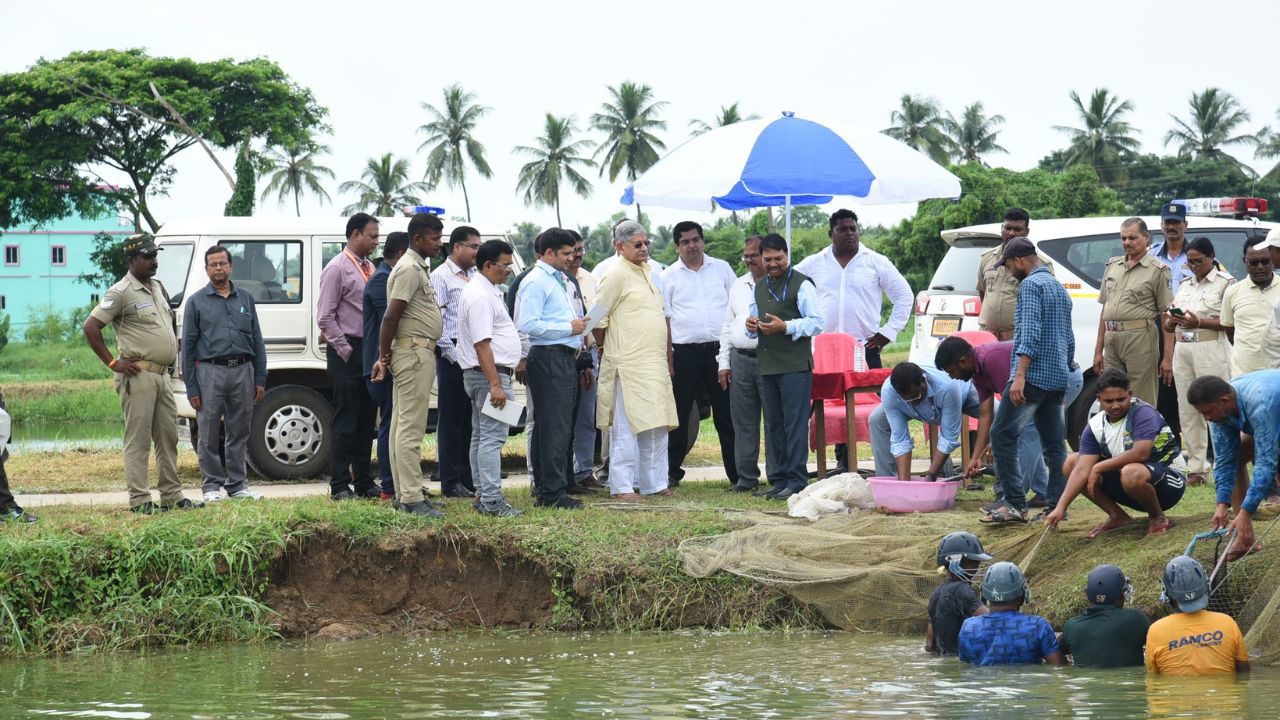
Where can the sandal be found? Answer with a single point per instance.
(1004, 514)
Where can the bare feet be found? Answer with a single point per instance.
(1237, 553)
(1112, 523)
(627, 497)
(1157, 526)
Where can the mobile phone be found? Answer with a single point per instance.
(1177, 312)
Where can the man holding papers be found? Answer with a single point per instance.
(488, 351)
(634, 397)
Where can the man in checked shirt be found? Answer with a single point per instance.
(453, 413)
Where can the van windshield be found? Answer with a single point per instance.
(174, 265)
(958, 271)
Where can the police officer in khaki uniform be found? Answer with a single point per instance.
(1200, 345)
(138, 308)
(407, 342)
(997, 287)
(1136, 290)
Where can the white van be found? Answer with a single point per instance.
(1079, 248)
(279, 261)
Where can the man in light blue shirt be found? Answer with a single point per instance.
(545, 314)
(1245, 417)
(927, 395)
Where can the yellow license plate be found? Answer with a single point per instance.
(943, 327)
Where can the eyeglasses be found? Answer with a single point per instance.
(1257, 262)
(1197, 261)
(924, 391)
(750, 258)
(219, 264)
(471, 246)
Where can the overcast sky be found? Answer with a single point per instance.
(373, 63)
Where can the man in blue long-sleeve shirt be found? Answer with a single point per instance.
(1044, 345)
(374, 306)
(933, 398)
(224, 365)
(1245, 417)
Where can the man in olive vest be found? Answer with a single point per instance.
(788, 315)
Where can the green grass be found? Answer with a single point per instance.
(86, 579)
(27, 362)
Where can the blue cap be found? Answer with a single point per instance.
(1106, 584)
(1174, 211)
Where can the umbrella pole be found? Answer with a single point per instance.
(788, 206)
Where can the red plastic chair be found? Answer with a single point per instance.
(833, 357)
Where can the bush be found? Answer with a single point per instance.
(48, 326)
(4, 330)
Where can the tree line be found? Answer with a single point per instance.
(62, 119)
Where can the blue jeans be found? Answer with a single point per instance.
(1044, 409)
(786, 418)
(1035, 474)
(487, 437)
(381, 394)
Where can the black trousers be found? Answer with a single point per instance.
(6, 495)
(842, 449)
(453, 428)
(353, 422)
(696, 369)
(552, 373)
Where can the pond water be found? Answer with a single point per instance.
(563, 675)
(37, 436)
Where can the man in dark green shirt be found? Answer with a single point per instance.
(1107, 634)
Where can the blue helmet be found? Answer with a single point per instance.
(1106, 584)
(959, 546)
(1185, 584)
(1004, 582)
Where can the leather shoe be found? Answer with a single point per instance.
(767, 493)
(16, 514)
(370, 493)
(148, 508)
(564, 503)
(342, 495)
(1036, 501)
(459, 493)
(580, 489)
(421, 508)
(741, 489)
(783, 495)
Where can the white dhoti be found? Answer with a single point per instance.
(637, 462)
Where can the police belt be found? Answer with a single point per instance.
(418, 342)
(149, 366)
(1189, 336)
(1122, 325)
(1002, 334)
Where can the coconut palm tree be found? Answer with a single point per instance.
(1269, 148)
(919, 123)
(383, 186)
(974, 134)
(294, 170)
(728, 116)
(1215, 119)
(555, 156)
(448, 134)
(1105, 139)
(628, 121)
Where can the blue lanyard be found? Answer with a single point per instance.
(786, 282)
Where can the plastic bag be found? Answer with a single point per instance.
(833, 495)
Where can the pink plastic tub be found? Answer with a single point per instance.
(916, 495)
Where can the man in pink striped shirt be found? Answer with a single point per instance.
(340, 315)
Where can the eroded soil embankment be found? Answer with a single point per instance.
(326, 585)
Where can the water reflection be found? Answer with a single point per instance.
(37, 436)
(550, 675)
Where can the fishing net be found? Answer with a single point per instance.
(874, 571)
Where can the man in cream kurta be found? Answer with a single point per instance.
(634, 398)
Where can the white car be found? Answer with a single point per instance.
(1079, 248)
(277, 260)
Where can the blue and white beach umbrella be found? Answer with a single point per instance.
(789, 161)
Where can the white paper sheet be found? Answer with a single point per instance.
(594, 316)
(509, 413)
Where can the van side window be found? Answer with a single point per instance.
(1084, 256)
(1228, 247)
(270, 270)
(330, 250)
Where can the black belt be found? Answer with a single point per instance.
(354, 340)
(748, 353)
(700, 346)
(501, 370)
(235, 361)
(557, 348)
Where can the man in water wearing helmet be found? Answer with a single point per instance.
(1107, 634)
(1005, 636)
(1193, 641)
(954, 600)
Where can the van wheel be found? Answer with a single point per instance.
(1078, 413)
(291, 432)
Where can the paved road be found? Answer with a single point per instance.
(293, 490)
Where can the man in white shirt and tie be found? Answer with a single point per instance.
(740, 372)
(695, 290)
(853, 280)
